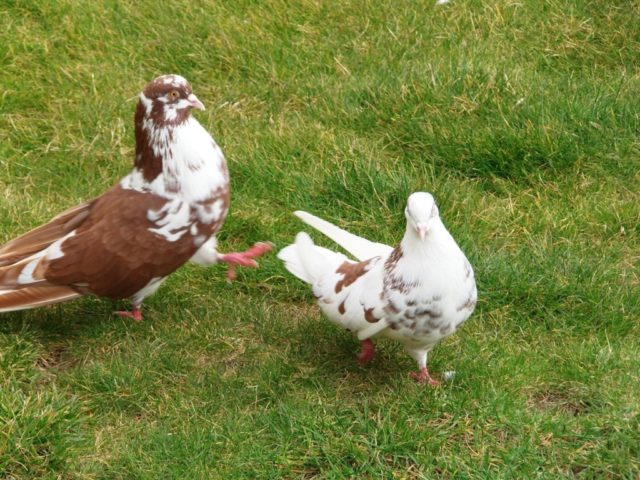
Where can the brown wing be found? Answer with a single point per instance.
(43, 236)
(113, 253)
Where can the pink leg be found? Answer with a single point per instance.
(135, 313)
(424, 377)
(367, 353)
(244, 259)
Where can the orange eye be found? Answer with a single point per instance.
(173, 94)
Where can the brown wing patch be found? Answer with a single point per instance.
(43, 236)
(341, 308)
(350, 271)
(369, 316)
(114, 254)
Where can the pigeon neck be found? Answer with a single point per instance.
(176, 161)
(154, 135)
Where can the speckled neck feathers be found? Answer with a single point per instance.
(148, 146)
(175, 157)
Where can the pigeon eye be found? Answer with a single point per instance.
(173, 94)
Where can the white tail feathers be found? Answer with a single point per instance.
(298, 258)
(308, 261)
(359, 247)
(291, 258)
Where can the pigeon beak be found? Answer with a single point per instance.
(194, 102)
(421, 228)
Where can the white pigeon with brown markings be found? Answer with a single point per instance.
(417, 293)
(124, 243)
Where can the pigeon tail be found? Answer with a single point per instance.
(23, 286)
(23, 273)
(359, 247)
(37, 296)
(308, 261)
(289, 255)
(292, 256)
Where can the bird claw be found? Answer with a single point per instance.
(367, 353)
(423, 377)
(244, 259)
(135, 314)
(259, 248)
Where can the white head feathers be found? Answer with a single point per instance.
(421, 212)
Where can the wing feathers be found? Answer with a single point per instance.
(43, 236)
(31, 297)
(22, 273)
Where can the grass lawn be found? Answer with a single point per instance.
(522, 118)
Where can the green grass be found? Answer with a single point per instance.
(523, 120)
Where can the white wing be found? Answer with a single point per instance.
(370, 300)
(348, 292)
(359, 247)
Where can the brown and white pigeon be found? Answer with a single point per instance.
(417, 293)
(124, 243)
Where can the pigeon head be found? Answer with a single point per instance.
(421, 212)
(168, 99)
(165, 105)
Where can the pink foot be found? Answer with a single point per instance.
(135, 314)
(424, 377)
(367, 353)
(244, 259)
